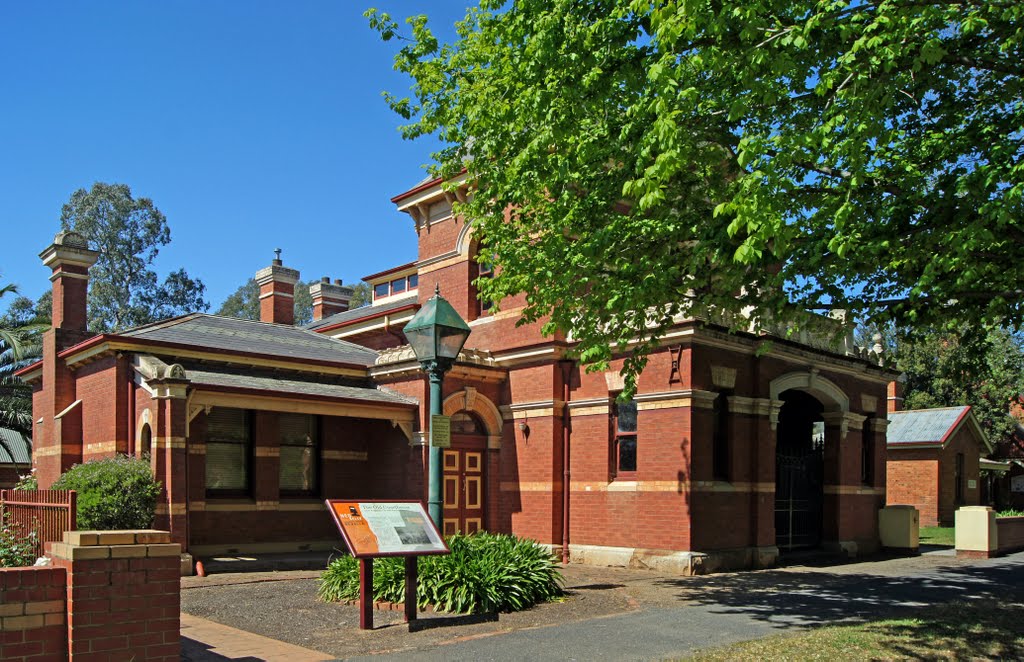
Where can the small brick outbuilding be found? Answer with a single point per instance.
(933, 461)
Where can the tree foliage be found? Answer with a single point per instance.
(19, 345)
(244, 303)
(983, 368)
(124, 291)
(664, 157)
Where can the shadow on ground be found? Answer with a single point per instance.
(197, 650)
(817, 598)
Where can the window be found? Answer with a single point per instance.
(720, 438)
(867, 453)
(958, 478)
(484, 269)
(414, 281)
(398, 286)
(228, 451)
(624, 424)
(465, 423)
(380, 290)
(299, 454)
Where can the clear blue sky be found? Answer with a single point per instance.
(251, 125)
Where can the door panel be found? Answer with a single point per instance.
(464, 484)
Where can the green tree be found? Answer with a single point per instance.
(362, 295)
(124, 291)
(19, 345)
(983, 368)
(244, 303)
(666, 157)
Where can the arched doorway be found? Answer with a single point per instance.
(464, 478)
(799, 471)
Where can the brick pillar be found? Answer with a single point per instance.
(70, 258)
(58, 440)
(266, 468)
(277, 292)
(170, 453)
(123, 594)
(895, 394)
(329, 298)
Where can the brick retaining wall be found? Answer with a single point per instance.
(32, 613)
(109, 595)
(1011, 534)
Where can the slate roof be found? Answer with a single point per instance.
(15, 447)
(278, 386)
(923, 426)
(278, 340)
(366, 312)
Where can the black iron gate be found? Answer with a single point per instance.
(798, 497)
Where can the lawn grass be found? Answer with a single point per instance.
(957, 631)
(938, 535)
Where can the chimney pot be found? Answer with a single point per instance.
(277, 292)
(329, 298)
(70, 257)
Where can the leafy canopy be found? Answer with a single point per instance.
(123, 289)
(19, 346)
(665, 157)
(983, 368)
(244, 303)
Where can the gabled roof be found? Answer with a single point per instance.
(229, 334)
(15, 447)
(364, 313)
(931, 428)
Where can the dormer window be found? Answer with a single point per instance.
(395, 286)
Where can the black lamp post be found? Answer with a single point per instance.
(437, 334)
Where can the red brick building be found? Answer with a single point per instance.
(933, 461)
(736, 445)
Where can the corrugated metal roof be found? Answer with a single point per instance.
(364, 312)
(278, 340)
(922, 426)
(278, 386)
(15, 447)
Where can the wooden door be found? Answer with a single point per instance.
(464, 485)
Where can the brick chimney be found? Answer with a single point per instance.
(895, 392)
(70, 258)
(277, 292)
(329, 298)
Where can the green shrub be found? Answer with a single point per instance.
(17, 548)
(1010, 513)
(485, 572)
(113, 493)
(27, 482)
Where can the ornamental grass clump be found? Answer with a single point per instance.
(113, 493)
(485, 572)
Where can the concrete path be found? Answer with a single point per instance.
(675, 616)
(206, 641)
(748, 609)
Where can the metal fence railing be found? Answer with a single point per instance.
(49, 513)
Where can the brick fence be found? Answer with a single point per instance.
(980, 534)
(1010, 531)
(109, 596)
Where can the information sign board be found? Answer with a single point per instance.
(386, 528)
(440, 431)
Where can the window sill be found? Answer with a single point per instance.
(625, 484)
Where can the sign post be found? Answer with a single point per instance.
(374, 529)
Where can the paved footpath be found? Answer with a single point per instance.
(206, 641)
(677, 615)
